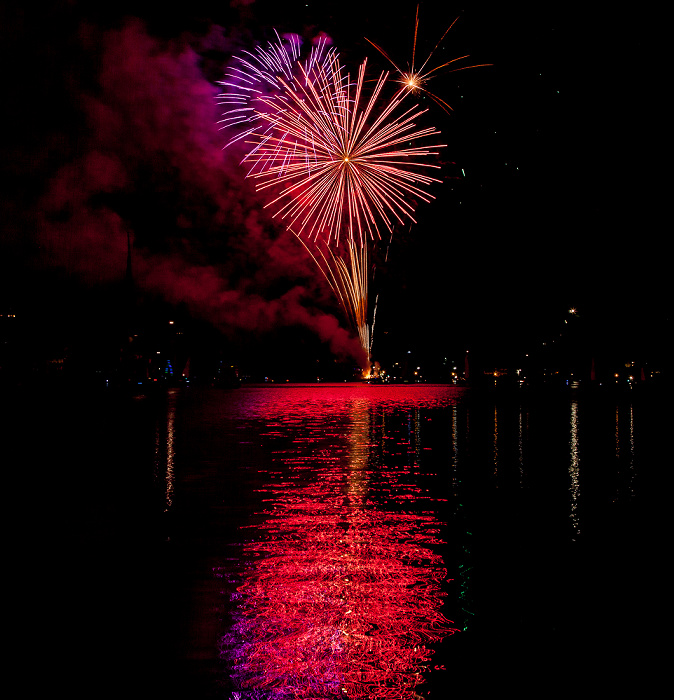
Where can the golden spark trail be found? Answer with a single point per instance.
(348, 279)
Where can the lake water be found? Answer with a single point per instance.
(327, 541)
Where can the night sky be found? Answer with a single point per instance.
(550, 197)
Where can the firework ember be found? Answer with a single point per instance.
(414, 79)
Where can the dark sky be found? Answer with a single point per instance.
(551, 195)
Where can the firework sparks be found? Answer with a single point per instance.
(256, 74)
(415, 79)
(348, 277)
(344, 167)
(339, 165)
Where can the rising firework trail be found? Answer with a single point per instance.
(414, 79)
(348, 274)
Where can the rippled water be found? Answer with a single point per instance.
(339, 590)
(344, 540)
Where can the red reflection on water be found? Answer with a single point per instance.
(314, 402)
(341, 595)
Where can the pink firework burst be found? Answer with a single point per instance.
(259, 73)
(345, 162)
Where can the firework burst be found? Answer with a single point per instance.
(341, 164)
(259, 73)
(415, 79)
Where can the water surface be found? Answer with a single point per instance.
(346, 540)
